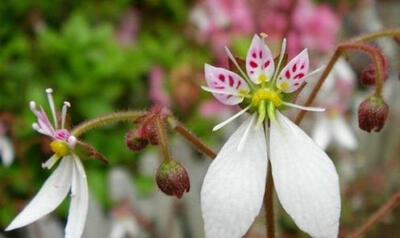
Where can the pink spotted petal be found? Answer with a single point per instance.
(292, 76)
(259, 61)
(227, 81)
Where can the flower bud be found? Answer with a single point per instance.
(135, 142)
(172, 178)
(368, 75)
(372, 114)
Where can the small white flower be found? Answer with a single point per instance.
(123, 223)
(69, 175)
(332, 126)
(305, 178)
(6, 147)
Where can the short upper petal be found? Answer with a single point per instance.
(52, 193)
(305, 179)
(233, 188)
(79, 201)
(227, 81)
(259, 61)
(293, 74)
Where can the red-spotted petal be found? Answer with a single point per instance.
(292, 76)
(226, 81)
(259, 61)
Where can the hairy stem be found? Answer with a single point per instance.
(162, 139)
(385, 208)
(104, 120)
(341, 48)
(194, 140)
(376, 34)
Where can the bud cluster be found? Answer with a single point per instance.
(146, 131)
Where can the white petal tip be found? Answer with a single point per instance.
(32, 105)
(49, 90)
(68, 104)
(72, 141)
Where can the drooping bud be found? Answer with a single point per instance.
(172, 178)
(372, 114)
(135, 142)
(368, 75)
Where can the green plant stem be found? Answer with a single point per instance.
(194, 140)
(162, 139)
(376, 34)
(104, 120)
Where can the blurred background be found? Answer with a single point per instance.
(105, 56)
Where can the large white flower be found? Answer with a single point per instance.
(6, 147)
(305, 178)
(69, 175)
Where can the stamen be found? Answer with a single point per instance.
(222, 124)
(311, 109)
(246, 133)
(313, 73)
(49, 92)
(282, 53)
(211, 90)
(64, 113)
(230, 56)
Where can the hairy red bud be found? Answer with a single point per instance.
(172, 178)
(135, 142)
(372, 114)
(368, 75)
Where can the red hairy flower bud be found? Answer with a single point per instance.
(372, 114)
(172, 178)
(368, 75)
(134, 141)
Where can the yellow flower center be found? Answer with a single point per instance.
(60, 148)
(266, 94)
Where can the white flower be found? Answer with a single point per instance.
(6, 147)
(305, 178)
(332, 126)
(69, 175)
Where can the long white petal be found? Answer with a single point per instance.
(52, 193)
(343, 133)
(305, 179)
(233, 188)
(79, 202)
(322, 132)
(6, 151)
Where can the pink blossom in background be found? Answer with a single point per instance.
(129, 28)
(156, 87)
(212, 108)
(219, 20)
(305, 26)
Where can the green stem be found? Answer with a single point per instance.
(104, 120)
(162, 139)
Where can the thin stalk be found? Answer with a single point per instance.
(269, 204)
(194, 140)
(162, 139)
(106, 119)
(385, 208)
(343, 47)
(377, 34)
